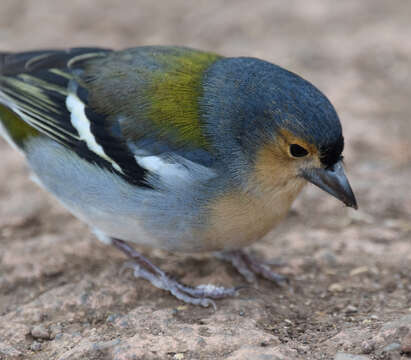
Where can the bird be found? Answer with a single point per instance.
(172, 148)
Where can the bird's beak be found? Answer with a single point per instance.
(333, 181)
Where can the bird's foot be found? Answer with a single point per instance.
(249, 267)
(200, 295)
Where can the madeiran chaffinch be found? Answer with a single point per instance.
(172, 148)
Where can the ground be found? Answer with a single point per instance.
(62, 293)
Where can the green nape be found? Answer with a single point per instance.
(175, 93)
(17, 129)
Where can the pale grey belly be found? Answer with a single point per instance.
(111, 205)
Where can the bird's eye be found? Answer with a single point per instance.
(298, 151)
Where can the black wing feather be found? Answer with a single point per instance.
(38, 84)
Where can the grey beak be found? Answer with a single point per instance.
(333, 181)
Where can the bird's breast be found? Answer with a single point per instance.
(239, 218)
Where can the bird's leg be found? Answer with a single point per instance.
(249, 266)
(199, 295)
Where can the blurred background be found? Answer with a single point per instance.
(357, 52)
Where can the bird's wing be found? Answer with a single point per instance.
(60, 95)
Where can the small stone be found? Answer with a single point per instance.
(367, 347)
(392, 347)
(406, 343)
(359, 270)
(350, 309)
(178, 356)
(374, 317)
(35, 346)
(336, 287)
(40, 332)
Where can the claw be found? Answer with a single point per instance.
(249, 267)
(202, 295)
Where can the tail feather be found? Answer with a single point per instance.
(27, 88)
(26, 62)
(13, 63)
(16, 101)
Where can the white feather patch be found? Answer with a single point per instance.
(82, 124)
(175, 171)
(162, 168)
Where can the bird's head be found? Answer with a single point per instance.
(276, 125)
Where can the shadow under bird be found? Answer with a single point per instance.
(172, 148)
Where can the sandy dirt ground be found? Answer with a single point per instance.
(62, 294)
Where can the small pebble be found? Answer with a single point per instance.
(40, 332)
(336, 287)
(35, 346)
(367, 347)
(406, 343)
(179, 356)
(350, 309)
(359, 270)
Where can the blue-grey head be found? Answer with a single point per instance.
(275, 124)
